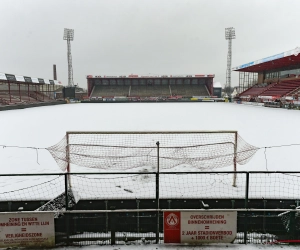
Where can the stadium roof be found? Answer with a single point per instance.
(27, 79)
(283, 60)
(217, 85)
(153, 76)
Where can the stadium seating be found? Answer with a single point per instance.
(21, 97)
(137, 90)
(154, 90)
(39, 96)
(189, 90)
(7, 99)
(256, 90)
(150, 90)
(109, 90)
(282, 88)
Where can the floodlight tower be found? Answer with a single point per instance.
(229, 35)
(69, 36)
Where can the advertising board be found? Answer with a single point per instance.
(27, 79)
(41, 80)
(10, 77)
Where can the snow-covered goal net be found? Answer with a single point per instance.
(203, 150)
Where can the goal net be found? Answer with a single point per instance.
(152, 150)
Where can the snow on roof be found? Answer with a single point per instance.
(217, 85)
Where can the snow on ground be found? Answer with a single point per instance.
(182, 247)
(45, 126)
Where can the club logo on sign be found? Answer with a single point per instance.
(172, 220)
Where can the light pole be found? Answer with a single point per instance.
(229, 35)
(69, 36)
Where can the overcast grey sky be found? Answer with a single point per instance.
(115, 37)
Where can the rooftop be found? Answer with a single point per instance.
(285, 60)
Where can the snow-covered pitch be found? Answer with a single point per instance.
(45, 126)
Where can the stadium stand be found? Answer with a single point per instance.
(17, 91)
(282, 88)
(189, 90)
(256, 90)
(150, 90)
(271, 78)
(144, 87)
(108, 90)
(138, 90)
(21, 93)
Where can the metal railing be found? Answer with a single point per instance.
(118, 218)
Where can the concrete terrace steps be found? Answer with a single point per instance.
(22, 97)
(149, 90)
(282, 88)
(106, 90)
(189, 90)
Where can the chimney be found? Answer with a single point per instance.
(54, 72)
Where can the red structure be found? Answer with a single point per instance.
(16, 89)
(140, 86)
(274, 77)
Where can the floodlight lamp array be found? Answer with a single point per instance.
(69, 34)
(229, 33)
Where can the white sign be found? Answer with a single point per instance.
(27, 229)
(208, 227)
(200, 227)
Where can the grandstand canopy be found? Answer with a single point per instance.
(153, 76)
(25, 79)
(285, 60)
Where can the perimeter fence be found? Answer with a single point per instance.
(127, 207)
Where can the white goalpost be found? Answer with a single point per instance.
(124, 150)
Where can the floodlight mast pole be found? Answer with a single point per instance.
(69, 36)
(229, 35)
